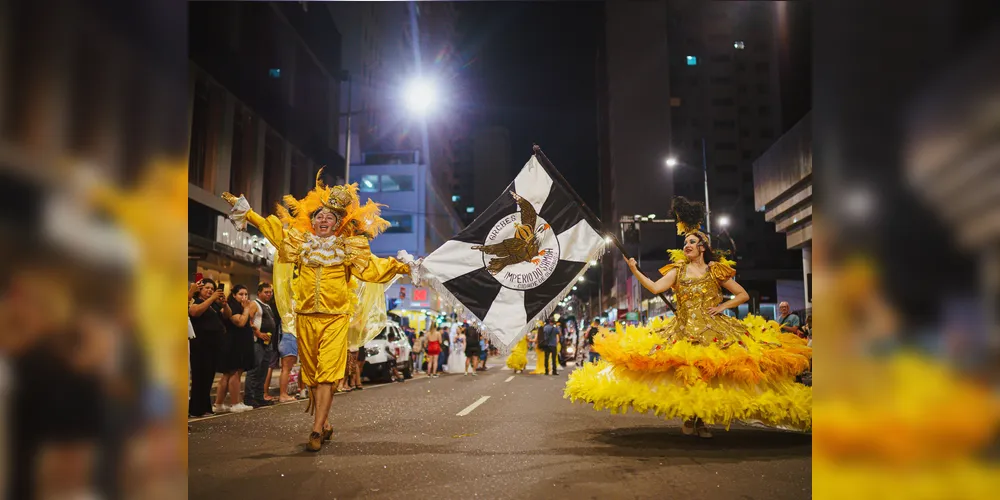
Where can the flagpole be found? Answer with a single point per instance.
(591, 217)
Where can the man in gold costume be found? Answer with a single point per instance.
(325, 238)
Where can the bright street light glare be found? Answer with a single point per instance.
(420, 96)
(580, 279)
(607, 239)
(724, 221)
(652, 216)
(574, 288)
(593, 263)
(671, 162)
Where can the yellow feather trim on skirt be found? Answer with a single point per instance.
(767, 354)
(617, 389)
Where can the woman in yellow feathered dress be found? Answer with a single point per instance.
(701, 365)
(518, 358)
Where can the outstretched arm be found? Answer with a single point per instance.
(270, 227)
(658, 287)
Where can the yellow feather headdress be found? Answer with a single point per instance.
(355, 218)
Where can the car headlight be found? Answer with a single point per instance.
(372, 351)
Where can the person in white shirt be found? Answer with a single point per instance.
(264, 324)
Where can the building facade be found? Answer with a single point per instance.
(422, 217)
(700, 83)
(263, 112)
(783, 191)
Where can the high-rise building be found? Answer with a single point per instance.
(634, 134)
(492, 167)
(698, 82)
(263, 108)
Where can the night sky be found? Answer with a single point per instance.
(532, 69)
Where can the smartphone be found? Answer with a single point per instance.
(222, 287)
(198, 277)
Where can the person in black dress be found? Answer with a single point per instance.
(209, 313)
(237, 350)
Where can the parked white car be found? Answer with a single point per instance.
(390, 340)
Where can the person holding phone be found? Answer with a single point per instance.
(237, 351)
(207, 312)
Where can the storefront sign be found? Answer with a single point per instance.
(256, 246)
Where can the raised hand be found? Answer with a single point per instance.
(631, 264)
(230, 199)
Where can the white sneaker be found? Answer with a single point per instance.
(240, 408)
(703, 432)
(221, 409)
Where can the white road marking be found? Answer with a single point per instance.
(509, 378)
(471, 407)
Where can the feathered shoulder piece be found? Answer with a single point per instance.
(355, 219)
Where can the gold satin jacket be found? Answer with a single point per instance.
(323, 267)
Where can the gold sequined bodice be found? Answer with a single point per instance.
(692, 321)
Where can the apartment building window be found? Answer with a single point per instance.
(724, 124)
(721, 80)
(741, 67)
(693, 81)
(766, 133)
(369, 184)
(400, 224)
(762, 67)
(725, 146)
(692, 61)
(396, 183)
(744, 110)
(763, 89)
(721, 58)
(742, 89)
(748, 177)
(199, 135)
(726, 169)
(744, 132)
(764, 111)
(723, 101)
(747, 154)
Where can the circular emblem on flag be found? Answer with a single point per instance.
(518, 255)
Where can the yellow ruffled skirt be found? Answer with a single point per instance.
(518, 358)
(754, 381)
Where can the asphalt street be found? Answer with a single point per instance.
(498, 435)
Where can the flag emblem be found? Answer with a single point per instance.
(519, 253)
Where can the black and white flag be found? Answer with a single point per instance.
(515, 263)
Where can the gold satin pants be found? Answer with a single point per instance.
(322, 340)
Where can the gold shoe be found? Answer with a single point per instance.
(315, 442)
(688, 428)
(703, 432)
(327, 434)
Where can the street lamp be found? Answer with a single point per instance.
(672, 162)
(420, 96)
(724, 221)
